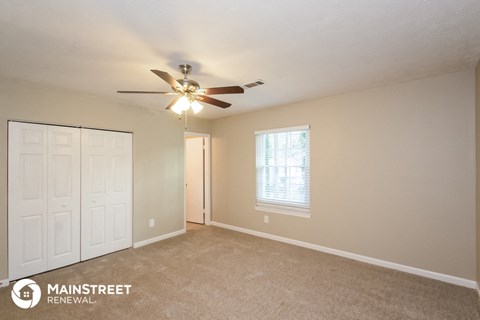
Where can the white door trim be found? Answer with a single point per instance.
(208, 198)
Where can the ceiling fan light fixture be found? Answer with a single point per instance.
(177, 109)
(183, 104)
(196, 107)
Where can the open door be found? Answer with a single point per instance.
(195, 179)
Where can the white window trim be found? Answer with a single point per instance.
(289, 211)
(297, 128)
(277, 207)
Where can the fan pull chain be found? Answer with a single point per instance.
(186, 119)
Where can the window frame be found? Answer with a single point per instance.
(277, 206)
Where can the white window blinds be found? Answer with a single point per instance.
(283, 168)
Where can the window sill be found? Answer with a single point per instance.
(303, 213)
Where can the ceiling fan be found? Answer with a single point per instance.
(188, 92)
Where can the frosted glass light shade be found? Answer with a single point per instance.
(181, 105)
(196, 107)
(177, 108)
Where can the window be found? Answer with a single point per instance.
(283, 170)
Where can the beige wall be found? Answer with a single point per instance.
(392, 173)
(393, 168)
(477, 131)
(158, 150)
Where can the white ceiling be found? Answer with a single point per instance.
(301, 49)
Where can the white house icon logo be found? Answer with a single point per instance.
(26, 293)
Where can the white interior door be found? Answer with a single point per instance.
(195, 173)
(27, 199)
(106, 192)
(63, 196)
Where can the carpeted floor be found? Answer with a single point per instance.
(212, 273)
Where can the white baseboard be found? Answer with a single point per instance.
(4, 283)
(478, 289)
(391, 265)
(159, 238)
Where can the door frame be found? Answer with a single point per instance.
(207, 191)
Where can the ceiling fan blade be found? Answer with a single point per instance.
(212, 101)
(168, 79)
(151, 92)
(172, 103)
(221, 90)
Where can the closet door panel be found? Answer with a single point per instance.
(27, 199)
(94, 193)
(63, 196)
(106, 192)
(96, 227)
(62, 239)
(120, 222)
(121, 193)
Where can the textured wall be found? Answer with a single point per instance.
(477, 131)
(158, 150)
(392, 173)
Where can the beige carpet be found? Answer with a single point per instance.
(211, 273)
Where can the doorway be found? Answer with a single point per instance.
(197, 179)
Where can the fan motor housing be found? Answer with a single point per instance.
(189, 85)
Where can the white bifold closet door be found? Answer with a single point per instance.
(106, 192)
(43, 198)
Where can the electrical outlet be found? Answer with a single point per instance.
(151, 223)
(265, 219)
